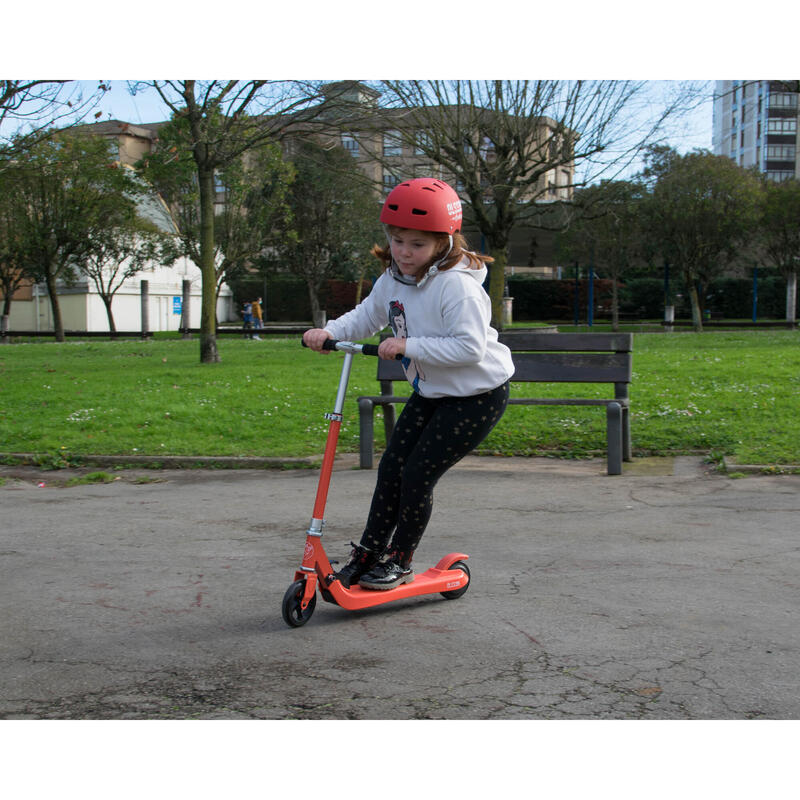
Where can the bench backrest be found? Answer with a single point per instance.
(556, 358)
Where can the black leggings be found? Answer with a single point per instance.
(429, 437)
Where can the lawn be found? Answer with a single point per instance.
(724, 393)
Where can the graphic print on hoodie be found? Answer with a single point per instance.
(397, 319)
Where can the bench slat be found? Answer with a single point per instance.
(522, 340)
(572, 367)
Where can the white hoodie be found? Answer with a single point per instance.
(451, 349)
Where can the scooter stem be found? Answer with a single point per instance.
(335, 418)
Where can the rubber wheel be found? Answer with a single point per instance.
(458, 592)
(293, 615)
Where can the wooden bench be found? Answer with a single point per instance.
(538, 358)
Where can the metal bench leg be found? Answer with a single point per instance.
(614, 436)
(627, 447)
(366, 435)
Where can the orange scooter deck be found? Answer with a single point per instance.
(436, 579)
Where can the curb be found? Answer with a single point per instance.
(164, 462)
(760, 469)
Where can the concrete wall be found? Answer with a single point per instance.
(82, 308)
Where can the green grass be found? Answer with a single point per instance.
(724, 393)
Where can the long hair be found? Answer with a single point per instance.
(460, 250)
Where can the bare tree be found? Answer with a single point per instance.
(31, 108)
(513, 147)
(250, 199)
(224, 120)
(119, 251)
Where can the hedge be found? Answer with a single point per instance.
(536, 299)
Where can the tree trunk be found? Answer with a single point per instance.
(614, 304)
(208, 312)
(497, 285)
(58, 324)
(791, 296)
(6, 314)
(112, 328)
(697, 316)
(313, 299)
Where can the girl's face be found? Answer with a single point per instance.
(412, 250)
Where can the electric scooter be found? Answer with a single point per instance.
(450, 577)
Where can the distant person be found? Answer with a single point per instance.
(247, 319)
(258, 322)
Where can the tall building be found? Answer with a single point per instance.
(755, 123)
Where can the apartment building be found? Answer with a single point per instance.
(391, 146)
(755, 123)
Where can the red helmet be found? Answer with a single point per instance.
(423, 204)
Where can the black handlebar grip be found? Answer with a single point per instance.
(372, 350)
(329, 344)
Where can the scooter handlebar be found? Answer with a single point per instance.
(365, 349)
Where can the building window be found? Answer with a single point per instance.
(783, 100)
(422, 143)
(782, 125)
(389, 181)
(350, 144)
(781, 152)
(392, 144)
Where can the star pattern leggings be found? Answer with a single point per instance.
(430, 436)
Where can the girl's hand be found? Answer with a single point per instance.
(389, 348)
(315, 338)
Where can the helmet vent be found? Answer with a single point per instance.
(427, 189)
(392, 206)
(419, 211)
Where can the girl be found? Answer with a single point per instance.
(432, 296)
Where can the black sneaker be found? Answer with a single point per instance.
(387, 575)
(361, 561)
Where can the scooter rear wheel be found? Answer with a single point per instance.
(452, 595)
(293, 614)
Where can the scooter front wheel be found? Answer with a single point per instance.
(293, 614)
(452, 595)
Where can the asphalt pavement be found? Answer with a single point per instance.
(669, 592)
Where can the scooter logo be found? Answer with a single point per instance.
(453, 585)
(308, 554)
